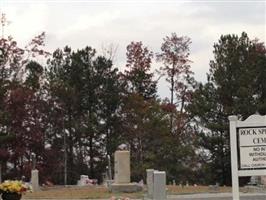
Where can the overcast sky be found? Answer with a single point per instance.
(96, 22)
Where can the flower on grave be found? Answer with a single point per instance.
(10, 186)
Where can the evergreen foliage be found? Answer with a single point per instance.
(235, 86)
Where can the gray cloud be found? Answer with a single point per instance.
(248, 12)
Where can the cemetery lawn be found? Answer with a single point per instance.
(100, 192)
(77, 192)
(197, 189)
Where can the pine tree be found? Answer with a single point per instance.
(85, 88)
(234, 87)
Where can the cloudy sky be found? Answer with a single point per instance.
(101, 22)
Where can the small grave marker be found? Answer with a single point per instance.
(159, 185)
(150, 182)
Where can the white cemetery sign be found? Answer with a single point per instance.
(248, 148)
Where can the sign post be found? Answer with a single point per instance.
(248, 148)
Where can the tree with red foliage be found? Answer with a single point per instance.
(17, 101)
(174, 56)
(137, 76)
(139, 98)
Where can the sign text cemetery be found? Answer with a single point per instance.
(252, 147)
(248, 148)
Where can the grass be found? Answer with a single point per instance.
(68, 193)
(74, 192)
(100, 192)
(194, 189)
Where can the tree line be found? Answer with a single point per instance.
(76, 109)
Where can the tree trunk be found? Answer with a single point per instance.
(172, 100)
(91, 156)
(91, 162)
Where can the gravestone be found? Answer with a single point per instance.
(109, 169)
(34, 174)
(122, 167)
(263, 180)
(187, 184)
(35, 180)
(149, 181)
(159, 185)
(254, 180)
(83, 180)
(174, 183)
(156, 184)
(122, 174)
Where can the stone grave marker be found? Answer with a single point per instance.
(35, 180)
(122, 167)
(156, 184)
(122, 174)
(159, 185)
(34, 175)
(149, 181)
(254, 180)
(263, 180)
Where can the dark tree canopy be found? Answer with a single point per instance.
(235, 87)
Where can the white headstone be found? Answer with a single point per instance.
(187, 184)
(254, 180)
(263, 180)
(35, 180)
(150, 182)
(83, 180)
(122, 167)
(174, 183)
(159, 185)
